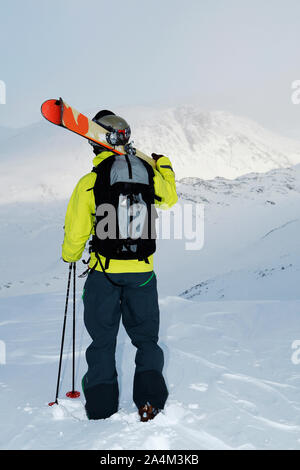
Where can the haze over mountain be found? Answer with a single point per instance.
(44, 161)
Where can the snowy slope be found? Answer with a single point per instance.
(229, 316)
(257, 253)
(43, 162)
(251, 231)
(228, 368)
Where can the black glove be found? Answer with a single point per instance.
(155, 156)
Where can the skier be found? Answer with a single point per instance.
(121, 282)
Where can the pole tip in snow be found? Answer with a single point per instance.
(73, 394)
(52, 403)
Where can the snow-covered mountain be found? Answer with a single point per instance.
(211, 144)
(43, 162)
(256, 254)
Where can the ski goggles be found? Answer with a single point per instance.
(118, 136)
(113, 123)
(118, 129)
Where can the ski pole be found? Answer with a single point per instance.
(63, 336)
(73, 393)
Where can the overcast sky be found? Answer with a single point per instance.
(236, 55)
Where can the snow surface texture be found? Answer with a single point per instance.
(229, 316)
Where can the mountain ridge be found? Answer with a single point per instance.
(45, 161)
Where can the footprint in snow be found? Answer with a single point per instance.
(68, 409)
(200, 387)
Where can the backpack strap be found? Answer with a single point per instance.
(105, 273)
(102, 182)
(150, 171)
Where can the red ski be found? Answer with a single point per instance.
(60, 113)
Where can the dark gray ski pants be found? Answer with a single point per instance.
(137, 304)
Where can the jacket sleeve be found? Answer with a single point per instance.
(79, 220)
(164, 184)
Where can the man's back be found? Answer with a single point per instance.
(118, 288)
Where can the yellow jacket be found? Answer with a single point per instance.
(80, 219)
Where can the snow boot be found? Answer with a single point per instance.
(148, 412)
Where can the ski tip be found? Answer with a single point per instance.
(51, 110)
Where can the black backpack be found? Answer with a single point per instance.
(127, 231)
